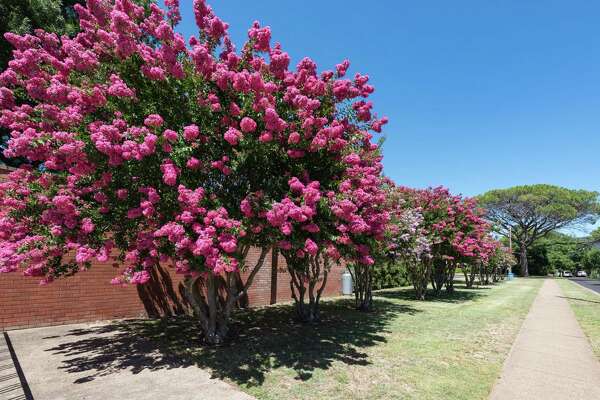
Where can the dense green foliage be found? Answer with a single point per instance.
(390, 274)
(558, 252)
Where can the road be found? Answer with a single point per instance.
(591, 284)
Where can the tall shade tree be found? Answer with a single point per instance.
(155, 151)
(532, 211)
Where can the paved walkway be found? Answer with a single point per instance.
(11, 385)
(93, 362)
(551, 357)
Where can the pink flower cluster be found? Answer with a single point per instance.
(455, 225)
(181, 154)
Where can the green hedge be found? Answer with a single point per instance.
(391, 274)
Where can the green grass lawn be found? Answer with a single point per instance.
(448, 348)
(586, 306)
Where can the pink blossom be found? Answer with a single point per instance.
(311, 247)
(247, 125)
(153, 120)
(140, 277)
(296, 185)
(193, 163)
(294, 138)
(232, 136)
(265, 137)
(260, 36)
(191, 132)
(170, 135)
(87, 226)
(170, 172)
(246, 208)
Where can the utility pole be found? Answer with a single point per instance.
(510, 245)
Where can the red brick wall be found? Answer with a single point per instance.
(89, 296)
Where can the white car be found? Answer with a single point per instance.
(567, 274)
(581, 274)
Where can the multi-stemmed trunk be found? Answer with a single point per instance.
(308, 280)
(484, 274)
(495, 274)
(419, 273)
(439, 275)
(363, 286)
(214, 297)
(470, 272)
(450, 278)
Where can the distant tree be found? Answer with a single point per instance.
(591, 262)
(595, 236)
(531, 212)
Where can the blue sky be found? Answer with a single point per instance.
(480, 94)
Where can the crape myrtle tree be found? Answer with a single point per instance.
(154, 151)
(455, 228)
(531, 212)
(410, 241)
(500, 261)
(379, 204)
(413, 248)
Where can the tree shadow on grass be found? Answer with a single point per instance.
(458, 296)
(262, 340)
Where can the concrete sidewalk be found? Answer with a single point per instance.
(11, 382)
(551, 357)
(79, 361)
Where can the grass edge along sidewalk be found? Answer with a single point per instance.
(448, 348)
(586, 306)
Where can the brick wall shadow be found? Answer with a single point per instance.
(160, 296)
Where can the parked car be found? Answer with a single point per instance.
(567, 274)
(581, 274)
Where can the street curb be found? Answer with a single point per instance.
(583, 287)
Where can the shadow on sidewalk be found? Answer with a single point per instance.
(264, 339)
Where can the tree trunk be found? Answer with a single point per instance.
(439, 276)
(207, 308)
(450, 278)
(304, 281)
(419, 273)
(523, 260)
(212, 310)
(274, 274)
(363, 287)
(469, 270)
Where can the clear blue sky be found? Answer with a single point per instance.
(480, 94)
